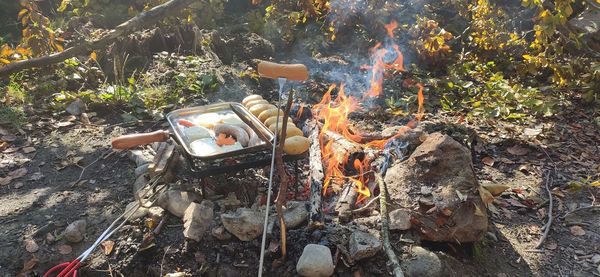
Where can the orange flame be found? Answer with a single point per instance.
(334, 114)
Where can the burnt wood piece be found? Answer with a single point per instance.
(159, 153)
(343, 146)
(346, 203)
(317, 176)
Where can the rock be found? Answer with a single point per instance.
(220, 233)
(315, 261)
(596, 259)
(295, 214)
(363, 245)
(76, 107)
(400, 220)
(156, 213)
(230, 202)
(139, 213)
(246, 224)
(196, 219)
(176, 201)
(75, 231)
(444, 165)
(142, 169)
(412, 136)
(422, 263)
(140, 157)
(588, 22)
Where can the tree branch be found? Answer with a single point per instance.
(138, 22)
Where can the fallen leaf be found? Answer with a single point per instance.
(489, 161)
(9, 138)
(36, 176)
(461, 196)
(65, 249)
(516, 203)
(28, 266)
(150, 223)
(532, 132)
(64, 124)
(31, 246)
(518, 150)
(496, 189)
(107, 246)
(486, 196)
(28, 150)
(577, 230)
(506, 161)
(595, 184)
(552, 246)
(524, 168)
(18, 173)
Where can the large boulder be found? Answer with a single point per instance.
(439, 187)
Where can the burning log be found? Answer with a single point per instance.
(317, 176)
(342, 145)
(346, 202)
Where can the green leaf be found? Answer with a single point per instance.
(63, 5)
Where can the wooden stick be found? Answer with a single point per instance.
(283, 178)
(385, 227)
(139, 21)
(315, 219)
(345, 203)
(547, 185)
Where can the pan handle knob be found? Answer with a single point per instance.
(295, 72)
(133, 140)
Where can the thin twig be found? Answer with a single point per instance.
(101, 157)
(363, 208)
(163, 260)
(385, 233)
(547, 185)
(580, 209)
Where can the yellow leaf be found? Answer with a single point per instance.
(4, 61)
(58, 47)
(22, 13)
(596, 183)
(6, 51)
(486, 196)
(24, 51)
(93, 56)
(527, 57)
(495, 189)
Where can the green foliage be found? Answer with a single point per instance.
(14, 92)
(15, 116)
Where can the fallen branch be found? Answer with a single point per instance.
(139, 21)
(385, 229)
(590, 207)
(548, 224)
(84, 168)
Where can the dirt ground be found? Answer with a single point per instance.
(41, 203)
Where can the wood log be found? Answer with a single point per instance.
(342, 145)
(317, 176)
(139, 21)
(345, 204)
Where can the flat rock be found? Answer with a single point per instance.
(246, 224)
(156, 212)
(422, 262)
(315, 261)
(363, 245)
(142, 169)
(400, 220)
(140, 157)
(196, 219)
(75, 232)
(138, 187)
(444, 165)
(76, 107)
(176, 201)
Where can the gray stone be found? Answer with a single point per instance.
(76, 107)
(176, 201)
(315, 261)
(588, 22)
(138, 187)
(295, 214)
(135, 214)
(140, 157)
(196, 219)
(156, 213)
(75, 232)
(246, 224)
(596, 259)
(445, 166)
(412, 136)
(422, 262)
(400, 220)
(363, 245)
(142, 169)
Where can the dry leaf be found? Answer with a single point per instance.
(489, 161)
(486, 196)
(551, 246)
(31, 246)
(495, 189)
(65, 249)
(506, 161)
(28, 150)
(28, 266)
(107, 247)
(516, 203)
(524, 168)
(150, 223)
(518, 150)
(577, 231)
(9, 138)
(461, 196)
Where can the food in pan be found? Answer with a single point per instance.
(257, 109)
(256, 102)
(231, 119)
(208, 120)
(208, 146)
(272, 120)
(236, 132)
(296, 145)
(196, 132)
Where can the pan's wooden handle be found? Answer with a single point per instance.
(295, 72)
(133, 140)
